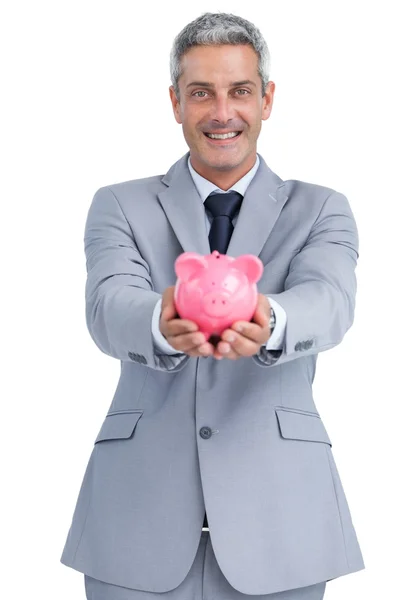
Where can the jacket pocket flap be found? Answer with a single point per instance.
(297, 425)
(119, 425)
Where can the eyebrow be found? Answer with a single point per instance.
(211, 85)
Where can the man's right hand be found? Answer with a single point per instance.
(181, 334)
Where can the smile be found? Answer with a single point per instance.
(223, 142)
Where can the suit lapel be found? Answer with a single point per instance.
(261, 207)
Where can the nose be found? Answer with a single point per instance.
(222, 110)
(216, 304)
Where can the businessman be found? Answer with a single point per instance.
(212, 475)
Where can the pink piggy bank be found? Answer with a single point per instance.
(216, 290)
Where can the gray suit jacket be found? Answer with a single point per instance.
(242, 438)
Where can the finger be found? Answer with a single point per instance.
(168, 308)
(240, 346)
(249, 331)
(169, 312)
(205, 349)
(217, 354)
(214, 340)
(186, 341)
(225, 350)
(179, 326)
(262, 312)
(176, 326)
(193, 344)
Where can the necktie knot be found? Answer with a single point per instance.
(224, 205)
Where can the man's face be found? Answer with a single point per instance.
(220, 106)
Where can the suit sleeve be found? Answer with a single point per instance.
(320, 289)
(119, 294)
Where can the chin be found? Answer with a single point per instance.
(225, 165)
(223, 162)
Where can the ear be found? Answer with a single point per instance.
(189, 263)
(250, 265)
(175, 105)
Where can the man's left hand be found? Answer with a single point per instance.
(249, 340)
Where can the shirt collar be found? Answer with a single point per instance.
(206, 187)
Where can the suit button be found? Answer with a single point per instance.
(298, 346)
(205, 432)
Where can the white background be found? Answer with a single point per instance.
(85, 104)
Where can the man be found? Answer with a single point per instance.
(225, 429)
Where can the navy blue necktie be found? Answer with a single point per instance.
(223, 208)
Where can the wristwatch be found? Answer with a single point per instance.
(272, 320)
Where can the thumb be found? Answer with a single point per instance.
(168, 310)
(261, 314)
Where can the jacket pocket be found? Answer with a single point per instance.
(119, 425)
(296, 424)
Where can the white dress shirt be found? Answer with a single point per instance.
(205, 188)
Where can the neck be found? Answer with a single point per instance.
(224, 179)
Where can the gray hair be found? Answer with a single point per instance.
(212, 29)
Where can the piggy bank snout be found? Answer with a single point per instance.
(217, 303)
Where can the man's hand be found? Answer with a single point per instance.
(253, 335)
(181, 334)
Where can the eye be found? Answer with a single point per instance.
(238, 90)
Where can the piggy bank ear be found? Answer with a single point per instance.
(189, 263)
(250, 265)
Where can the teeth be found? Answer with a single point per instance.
(222, 136)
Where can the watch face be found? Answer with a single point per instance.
(272, 319)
